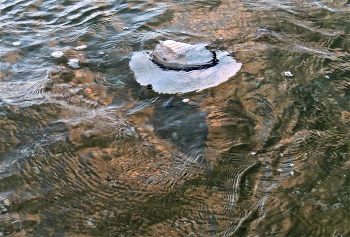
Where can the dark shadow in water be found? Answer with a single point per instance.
(184, 125)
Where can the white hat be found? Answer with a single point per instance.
(175, 67)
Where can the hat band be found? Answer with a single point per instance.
(185, 68)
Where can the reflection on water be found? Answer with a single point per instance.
(87, 151)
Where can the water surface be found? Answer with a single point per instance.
(87, 151)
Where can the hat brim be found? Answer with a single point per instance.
(172, 82)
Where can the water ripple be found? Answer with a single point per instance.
(85, 150)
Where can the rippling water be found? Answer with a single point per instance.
(87, 151)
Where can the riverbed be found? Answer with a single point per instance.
(85, 150)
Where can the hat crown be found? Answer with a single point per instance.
(174, 55)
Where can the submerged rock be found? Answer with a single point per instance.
(175, 67)
(57, 54)
(17, 43)
(81, 47)
(74, 63)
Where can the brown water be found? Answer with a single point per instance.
(87, 151)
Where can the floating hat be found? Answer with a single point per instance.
(175, 67)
